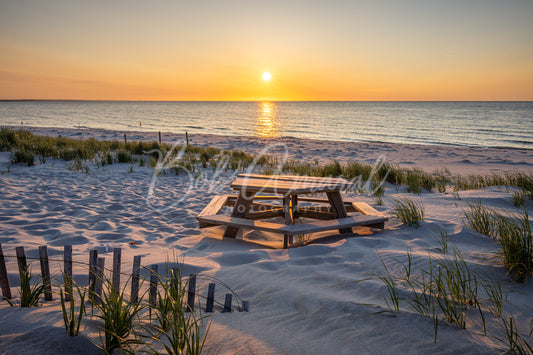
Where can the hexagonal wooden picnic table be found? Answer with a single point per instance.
(247, 212)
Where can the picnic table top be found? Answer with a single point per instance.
(288, 184)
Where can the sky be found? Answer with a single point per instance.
(218, 50)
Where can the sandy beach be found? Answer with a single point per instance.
(322, 298)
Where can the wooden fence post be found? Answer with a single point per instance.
(187, 138)
(45, 272)
(227, 303)
(93, 262)
(67, 276)
(245, 306)
(135, 278)
(159, 137)
(125, 139)
(153, 285)
(99, 276)
(117, 253)
(191, 292)
(210, 297)
(4, 280)
(21, 261)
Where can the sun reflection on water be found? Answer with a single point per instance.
(267, 125)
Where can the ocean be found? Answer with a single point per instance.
(481, 124)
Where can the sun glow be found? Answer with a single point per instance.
(267, 76)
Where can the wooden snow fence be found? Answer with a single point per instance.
(96, 274)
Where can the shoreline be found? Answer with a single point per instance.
(457, 159)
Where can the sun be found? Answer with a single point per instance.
(267, 76)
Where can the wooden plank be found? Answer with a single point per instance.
(135, 279)
(320, 226)
(292, 178)
(365, 208)
(284, 187)
(287, 211)
(210, 298)
(304, 228)
(93, 262)
(153, 285)
(21, 261)
(335, 199)
(4, 279)
(227, 303)
(67, 272)
(100, 264)
(278, 212)
(241, 208)
(215, 205)
(191, 292)
(241, 222)
(117, 254)
(45, 272)
(315, 214)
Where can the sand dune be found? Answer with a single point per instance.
(307, 300)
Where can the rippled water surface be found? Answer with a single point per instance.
(491, 124)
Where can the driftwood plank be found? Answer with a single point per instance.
(4, 280)
(45, 272)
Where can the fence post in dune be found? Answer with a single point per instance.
(99, 276)
(117, 253)
(21, 261)
(153, 284)
(67, 261)
(210, 297)
(125, 139)
(227, 303)
(135, 278)
(159, 137)
(93, 261)
(4, 280)
(191, 293)
(245, 306)
(45, 272)
(187, 138)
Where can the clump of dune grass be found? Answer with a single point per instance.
(512, 231)
(119, 316)
(514, 341)
(29, 294)
(519, 198)
(514, 235)
(177, 329)
(411, 213)
(22, 156)
(72, 317)
(443, 290)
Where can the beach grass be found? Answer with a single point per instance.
(411, 213)
(511, 230)
(30, 294)
(72, 317)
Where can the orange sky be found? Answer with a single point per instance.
(336, 50)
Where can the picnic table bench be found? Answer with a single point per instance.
(250, 210)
